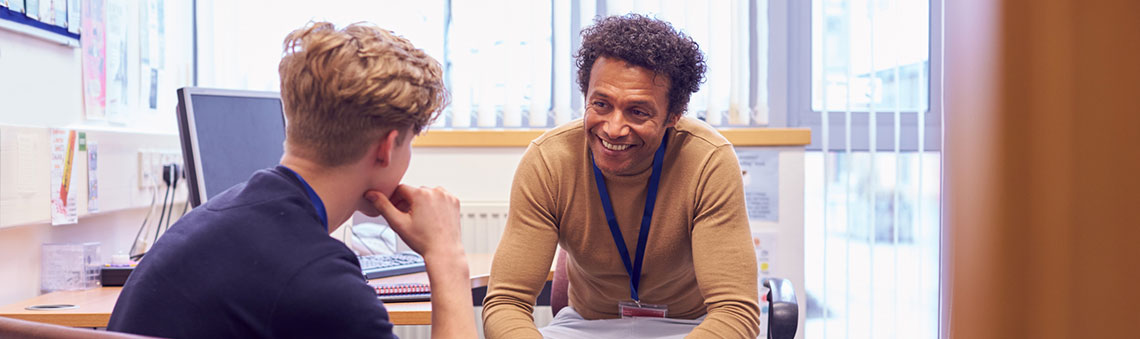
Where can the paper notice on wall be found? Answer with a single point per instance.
(764, 242)
(32, 9)
(117, 82)
(64, 209)
(93, 43)
(73, 16)
(760, 169)
(92, 177)
(16, 6)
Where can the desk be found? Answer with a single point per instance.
(95, 305)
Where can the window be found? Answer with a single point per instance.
(504, 69)
(869, 46)
(865, 78)
(245, 37)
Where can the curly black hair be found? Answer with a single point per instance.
(649, 43)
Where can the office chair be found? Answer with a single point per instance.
(22, 329)
(783, 312)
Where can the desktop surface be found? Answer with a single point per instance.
(95, 305)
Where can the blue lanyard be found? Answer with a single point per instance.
(634, 268)
(314, 198)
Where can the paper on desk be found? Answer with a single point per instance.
(760, 169)
(64, 209)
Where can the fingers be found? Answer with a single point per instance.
(385, 206)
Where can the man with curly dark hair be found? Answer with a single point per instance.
(648, 205)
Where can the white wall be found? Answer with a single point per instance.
(41, 88)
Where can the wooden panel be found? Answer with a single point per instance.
(1041, 169)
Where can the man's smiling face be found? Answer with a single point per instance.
(626, 115)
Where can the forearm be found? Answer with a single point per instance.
(452, 313)
(521, 266)
(505, 317)
(516, 279)
(728, 319)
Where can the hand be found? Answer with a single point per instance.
(427, 219)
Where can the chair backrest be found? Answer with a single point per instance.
(22, 329)
(560, 284)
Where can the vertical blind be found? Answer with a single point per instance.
(872, 225)
(517, 70)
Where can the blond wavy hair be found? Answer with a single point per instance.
(344, 88)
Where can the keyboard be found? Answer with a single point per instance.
(386, 265)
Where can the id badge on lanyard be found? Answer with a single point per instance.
(635, 308)
(630, 309)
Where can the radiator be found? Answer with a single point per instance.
(482, 224)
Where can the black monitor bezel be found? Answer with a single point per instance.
(191, 157)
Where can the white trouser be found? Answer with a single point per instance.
(569, 324)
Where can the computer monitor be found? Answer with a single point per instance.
(226, 136)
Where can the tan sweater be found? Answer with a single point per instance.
(698, 258)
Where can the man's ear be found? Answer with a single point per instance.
(672, 119)
(388, 143)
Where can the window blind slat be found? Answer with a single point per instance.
(847, 182)
(873, 225)
(895, 27)
(563, 73)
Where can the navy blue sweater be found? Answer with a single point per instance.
(253, 262)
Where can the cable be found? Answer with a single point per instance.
(161, 214)
(134, 244)
(142, 235)
(185, 206)
(173, 190)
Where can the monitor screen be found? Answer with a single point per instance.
(226, 136)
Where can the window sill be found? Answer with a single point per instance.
(522, 137)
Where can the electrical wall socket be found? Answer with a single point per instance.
(150, 165)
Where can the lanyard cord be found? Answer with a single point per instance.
(634, 267)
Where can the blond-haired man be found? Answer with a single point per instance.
(257, 261)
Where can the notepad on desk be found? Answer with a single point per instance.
(402, 292)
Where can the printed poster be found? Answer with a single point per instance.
(64, 209)
(16, 6)
(93, 42)
(760, 169)
(115, 23)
